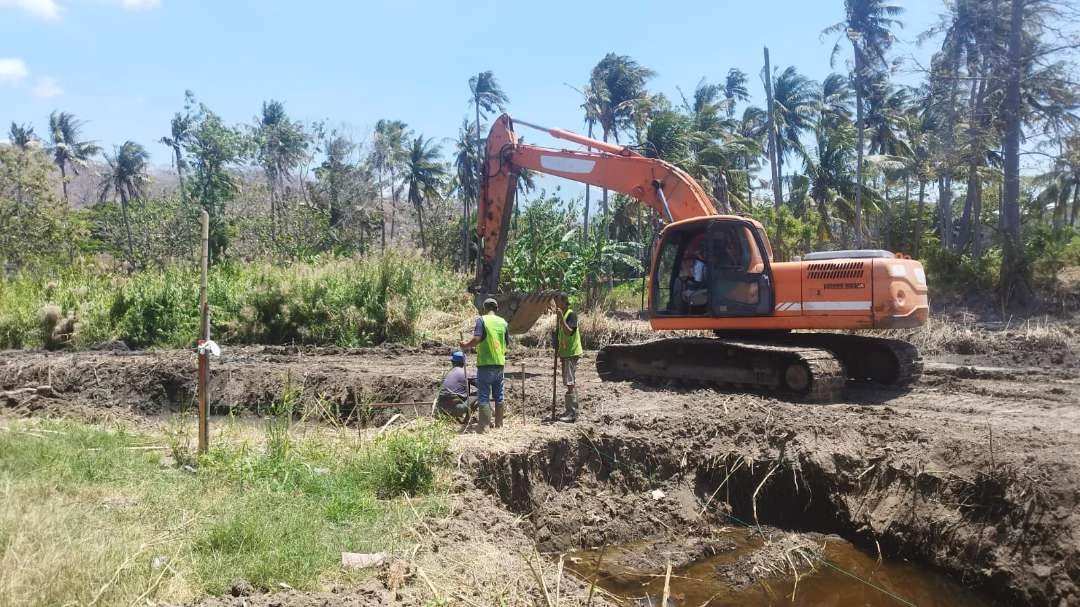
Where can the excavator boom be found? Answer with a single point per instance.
(660, 185)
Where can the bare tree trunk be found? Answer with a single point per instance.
(382, 211)
(1015, 284)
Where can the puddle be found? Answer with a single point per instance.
(634, 573)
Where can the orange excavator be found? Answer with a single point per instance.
(713, 272)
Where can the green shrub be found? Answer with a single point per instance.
(404, 462)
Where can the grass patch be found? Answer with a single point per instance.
(89, 512)
(339, 301)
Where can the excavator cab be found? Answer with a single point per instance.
(711, 266)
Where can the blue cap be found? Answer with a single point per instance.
(458, 357)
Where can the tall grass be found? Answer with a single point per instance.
(346, 302)
(88, 512)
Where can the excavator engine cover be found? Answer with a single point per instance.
(521, 310)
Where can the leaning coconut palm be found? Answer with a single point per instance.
(66, 149)
(425, 176)
(867, 24)
(179, 134)
(618, 83)
(126, 178)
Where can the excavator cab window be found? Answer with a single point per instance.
(712, 268)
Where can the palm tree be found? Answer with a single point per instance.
(282, 145)
(425, 175)
(618, 85)
(795, 104)
(66, 149)
(467, 167)
(21, 136)
(867, 25)
(387, 154)
(486, 97)
(126, 177)
(735, 89)
(179, 133)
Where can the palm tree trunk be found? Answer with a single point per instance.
(393, 203)
(907, 209)
(179, 173)
(945, 211)
(604, 203)
(127, 228)
(420, 222)
(1075, 203)
(588, 191)
(382, 210)
(1014, 275)
(479, 158)
(860, 136)
(63, 182)
(778, 194)
(919, 218)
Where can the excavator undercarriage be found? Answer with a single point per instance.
(812, 367)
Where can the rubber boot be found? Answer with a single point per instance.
(570, 415)
(484, 412)
(500, 410)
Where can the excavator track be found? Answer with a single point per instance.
(890, 363)
(806, 373)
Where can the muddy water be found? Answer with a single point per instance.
(726, 579)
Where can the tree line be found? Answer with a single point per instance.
(856, 159)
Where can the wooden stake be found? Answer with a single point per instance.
(204, 356)
(554, 382)
(522, 392)
(667, 585)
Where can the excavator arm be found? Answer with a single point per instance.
(660, 185)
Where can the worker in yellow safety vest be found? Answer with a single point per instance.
(490, 339)
(568, 341)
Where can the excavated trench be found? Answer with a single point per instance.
(654, 502)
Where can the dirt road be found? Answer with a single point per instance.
(975, 471)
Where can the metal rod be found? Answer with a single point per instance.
(663, 199)
(204, 326)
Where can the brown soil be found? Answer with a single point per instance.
(975, 471)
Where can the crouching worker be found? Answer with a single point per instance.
(454, 395)
(489, 337)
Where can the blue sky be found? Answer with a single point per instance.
(123, 65)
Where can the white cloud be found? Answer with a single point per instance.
(138, 5)
(46, 9)
(47, 88)
(12, 70)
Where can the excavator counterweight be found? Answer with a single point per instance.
(716, 272)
